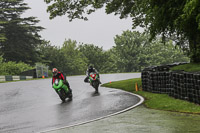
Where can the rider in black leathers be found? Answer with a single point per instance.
(89, 70)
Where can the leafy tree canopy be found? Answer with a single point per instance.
(93, 53)
(72, 60)
(177, 18)
(134, 52)
(49, 55)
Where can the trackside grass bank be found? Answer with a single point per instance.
(153, 100)
(191, 67)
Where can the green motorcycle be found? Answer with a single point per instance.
(62, 90)
(94, 81)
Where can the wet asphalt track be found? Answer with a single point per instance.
(33, 106)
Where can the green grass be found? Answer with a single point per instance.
(191, 67)
(153, 100)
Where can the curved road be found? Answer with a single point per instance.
(33, 106)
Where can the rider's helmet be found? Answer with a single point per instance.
(55, 71)
(90, 68)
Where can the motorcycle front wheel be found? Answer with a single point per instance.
(96, 86)
(62, 94)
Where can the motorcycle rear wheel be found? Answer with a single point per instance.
(70, 96)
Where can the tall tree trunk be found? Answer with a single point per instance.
(195, 50)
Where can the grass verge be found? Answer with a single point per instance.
(191, 67)
(153, 100)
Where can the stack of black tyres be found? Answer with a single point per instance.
(178, 84)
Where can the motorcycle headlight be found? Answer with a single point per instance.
(56, 82)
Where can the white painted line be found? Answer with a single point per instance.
(81, 123)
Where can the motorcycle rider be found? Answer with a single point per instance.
(59, 75)
(89, 70)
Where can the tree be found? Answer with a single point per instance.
(73, 61)
(94, 54)
(109, 62)
(129, 46)
(134, 52)
(49, 55)
(19, 36)
(68, 59)
(74, 9)
(158, 53)
(179, 18)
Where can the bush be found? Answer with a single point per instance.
(13, 68)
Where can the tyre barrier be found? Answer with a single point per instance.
(14, 78)
(178, 84)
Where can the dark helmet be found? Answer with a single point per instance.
(90, 67)
(55, 71)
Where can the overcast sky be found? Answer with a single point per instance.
(100, 30)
